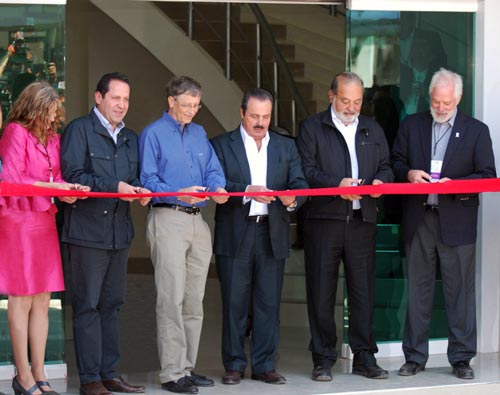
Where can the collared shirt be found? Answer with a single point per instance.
(349, 133)
(441, 133)
(108, 127)
(172, 158)
(257, 161)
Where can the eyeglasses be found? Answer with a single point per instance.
(189, 106)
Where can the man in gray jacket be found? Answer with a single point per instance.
(99, 151)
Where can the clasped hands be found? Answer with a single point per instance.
(286, 200)
(70, 187)
(219, 199)
(350, 182)
(123, 187)
(420, 176)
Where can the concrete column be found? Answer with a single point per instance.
(487, 89)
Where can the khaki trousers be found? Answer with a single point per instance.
(181, 249)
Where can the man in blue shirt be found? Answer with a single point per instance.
(176, 155)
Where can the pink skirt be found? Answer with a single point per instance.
(30, 259)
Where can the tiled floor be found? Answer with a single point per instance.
(140, 361)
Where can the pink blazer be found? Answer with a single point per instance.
(25, 161)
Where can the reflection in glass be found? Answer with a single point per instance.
(396, 54)
(31, 48)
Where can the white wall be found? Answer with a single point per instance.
(486, 109)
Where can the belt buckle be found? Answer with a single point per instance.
(259, 219)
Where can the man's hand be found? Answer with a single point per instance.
(287, 200)
(376, 182)
(220, 199)
(123, 187)
(71, 187)
(192, 199)
(444, 179)
(418, 176)
(143, 200)
(260, 199)
(350, 182)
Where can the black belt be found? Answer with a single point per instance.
(258, 218)
(432, 208)
(177, 207)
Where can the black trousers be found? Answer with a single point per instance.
(254, 273)
(458, 274)
(97, 293)
(327, 243)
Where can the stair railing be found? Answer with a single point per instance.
(263, 29)
(280, 64)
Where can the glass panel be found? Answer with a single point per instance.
(32, 47)
(396, 54)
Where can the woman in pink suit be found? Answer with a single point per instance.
(30, 261)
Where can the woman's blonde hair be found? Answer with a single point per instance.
(32, 110)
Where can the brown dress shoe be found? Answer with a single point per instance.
(232, 377)
(269, 377)
(94, 388)
(117, 384)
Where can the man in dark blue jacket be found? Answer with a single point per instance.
(437, 146)
(341, 148)
(252, 236)
(99, 151)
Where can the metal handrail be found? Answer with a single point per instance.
(297, 101)
(290, 81)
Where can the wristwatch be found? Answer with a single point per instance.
(292, 207)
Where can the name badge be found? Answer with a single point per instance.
(436, 166)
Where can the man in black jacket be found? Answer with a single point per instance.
(99, 151)
(340, 147)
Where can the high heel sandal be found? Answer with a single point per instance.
(41, 384)
(19, 389)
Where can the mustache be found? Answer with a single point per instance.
(258, 127)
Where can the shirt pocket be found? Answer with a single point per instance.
(100, 162)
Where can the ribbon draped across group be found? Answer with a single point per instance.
(449, 187)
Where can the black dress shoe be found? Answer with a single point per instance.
(200, 381)
(117, 384)
(181, 386)
(370, 371)
(411, 368)
(321, 373)
(232, 377)
(269, 377)
(463, 370)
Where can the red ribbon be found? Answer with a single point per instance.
(450, 187)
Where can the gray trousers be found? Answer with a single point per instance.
(457, 265)
(181, 249)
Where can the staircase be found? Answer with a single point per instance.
(247, 66)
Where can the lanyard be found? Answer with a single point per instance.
(51, 177)
(437, 140)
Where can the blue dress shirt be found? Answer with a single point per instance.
(171, 159)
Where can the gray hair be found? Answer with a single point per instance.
(183, 84)
(346, 77)
(444, 77)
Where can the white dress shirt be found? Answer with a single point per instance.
(257, 161)
(349, 133)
